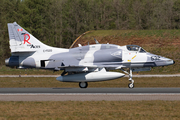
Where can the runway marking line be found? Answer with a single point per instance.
(115, 94)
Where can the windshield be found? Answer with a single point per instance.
(142, 50)
(135, 48)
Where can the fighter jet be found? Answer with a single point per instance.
(82, 64)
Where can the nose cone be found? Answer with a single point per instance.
(165, 62)
(170, 62)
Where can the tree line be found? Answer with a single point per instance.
(59, 22)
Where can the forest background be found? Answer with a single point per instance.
(59, 22)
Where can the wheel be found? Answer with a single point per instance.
(131, 85)
(83, 84)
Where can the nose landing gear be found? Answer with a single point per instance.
(130, 85)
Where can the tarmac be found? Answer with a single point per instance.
(89, 94)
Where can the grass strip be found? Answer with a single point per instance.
(91, 110)
(121, 82)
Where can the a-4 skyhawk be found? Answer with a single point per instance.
(81, 64)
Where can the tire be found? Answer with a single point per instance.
(131, 85)
(83, 84)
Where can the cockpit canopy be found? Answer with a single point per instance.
(135, 48)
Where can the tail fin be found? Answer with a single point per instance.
(22, 41)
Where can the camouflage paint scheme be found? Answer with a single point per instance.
(93, 60)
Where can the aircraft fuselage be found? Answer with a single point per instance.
(98, 55)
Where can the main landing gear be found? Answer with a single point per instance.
(83, 84)
(130, 85)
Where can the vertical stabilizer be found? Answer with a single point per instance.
(22, 41)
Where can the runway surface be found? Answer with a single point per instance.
(89, 90)
(88, 94)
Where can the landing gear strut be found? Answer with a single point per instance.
(130, 85)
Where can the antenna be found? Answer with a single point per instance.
(96, 41)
